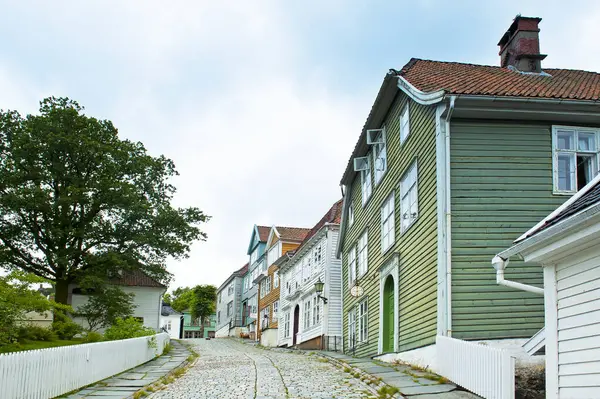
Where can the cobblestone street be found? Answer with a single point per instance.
(227, 369)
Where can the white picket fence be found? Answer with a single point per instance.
(484, 370)
(46, 373)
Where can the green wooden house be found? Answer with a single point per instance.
(455, 161)
(209, 326)
(192, 328)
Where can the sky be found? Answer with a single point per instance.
(259, 103)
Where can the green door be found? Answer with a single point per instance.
(388, 315)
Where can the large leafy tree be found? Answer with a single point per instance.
(203, 301)
(105, 305)
(75, 200)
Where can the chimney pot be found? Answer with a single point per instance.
(520, 45)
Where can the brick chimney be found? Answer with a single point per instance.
(520, 45)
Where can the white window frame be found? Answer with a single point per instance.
(230, 289)
(286, 325)
(362, 254)
(307, 313)
(379, 152)
(352, 271)
(594, 154)
(275, 310)
(230, 309)
(350, 213)
(352, 328)
(253, 256)
(405, 198)
(363, 321)
(274, 253)
(316, 316)
(276, 279)
(404, 123)
(388, 228)
(363, 165)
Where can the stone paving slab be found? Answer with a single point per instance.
(450, 395)
(125, 384)
(423, 389)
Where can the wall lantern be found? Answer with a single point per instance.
(319, 290)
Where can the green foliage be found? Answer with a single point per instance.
(36, 333)
(127, 328)
(64, 327)
(16, 300)
(76, 200)
(203, 301)
(92, 336)
(105, 305)
(167, 298)
(167, 348)
(182, 299)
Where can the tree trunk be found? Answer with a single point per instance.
(61, 294)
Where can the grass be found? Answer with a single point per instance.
(31, 345)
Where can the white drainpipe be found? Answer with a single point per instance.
(500, 264)
(448, 200)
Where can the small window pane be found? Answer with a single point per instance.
(587, 142)
(565, 140)
(566, 172)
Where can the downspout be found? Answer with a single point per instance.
(448, 222)
(500, 264)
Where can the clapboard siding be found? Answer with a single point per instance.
(501, 185)
(578, 290)
(334, 282)
(417, 246)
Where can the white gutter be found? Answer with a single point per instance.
(500, 264)
(419, 96)
(448, 222)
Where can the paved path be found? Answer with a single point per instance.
(228, 369)
(124, 385)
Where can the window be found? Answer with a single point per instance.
(253, 256)
(274, 253)
(169, 325)
(352, 328)
(254, 274)
(307, 312)
(265, 286)
(262, 266)
(317, 257)
(387, 223)
(230, 289)
(350, 214)
(306, 268)
(276, 279)
(264, 318)
(220, 297)
(268, 280)
(316, 311)
(361, 260)
(409, 203)
(219, 317)
(286, 325)
(363, 166)
(352, 265)
(229, 309)
(376, 138)
(275, 309)
(298, 274)
(575, 157)
(404, 124)
(362, 321)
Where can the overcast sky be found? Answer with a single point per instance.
(259, 103)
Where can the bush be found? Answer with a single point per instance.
(64, 327)
(92, 336)
(36, 333)
(127, 328)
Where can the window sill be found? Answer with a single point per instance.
(402, 232)
(564, 193)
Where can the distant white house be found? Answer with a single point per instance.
(567, 245)
(170, 321)
(305, 320)
(148, 297)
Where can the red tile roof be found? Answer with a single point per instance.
(459, 78)
(292, 233)
(333, 215)
(242, 271)
(136, 278)
(263, 233)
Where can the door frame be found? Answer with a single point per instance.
(296, 324)
(390, 268)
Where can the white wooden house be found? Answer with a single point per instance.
(147, 297)
(567, 245)
(170, 321)
(305, 320)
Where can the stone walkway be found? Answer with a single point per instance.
(411, 383)
(124, 385)
(230, 369)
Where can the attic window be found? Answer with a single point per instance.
(376, 138)
(404, 124)
(575, 158)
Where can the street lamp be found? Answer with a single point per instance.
(319, 290)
